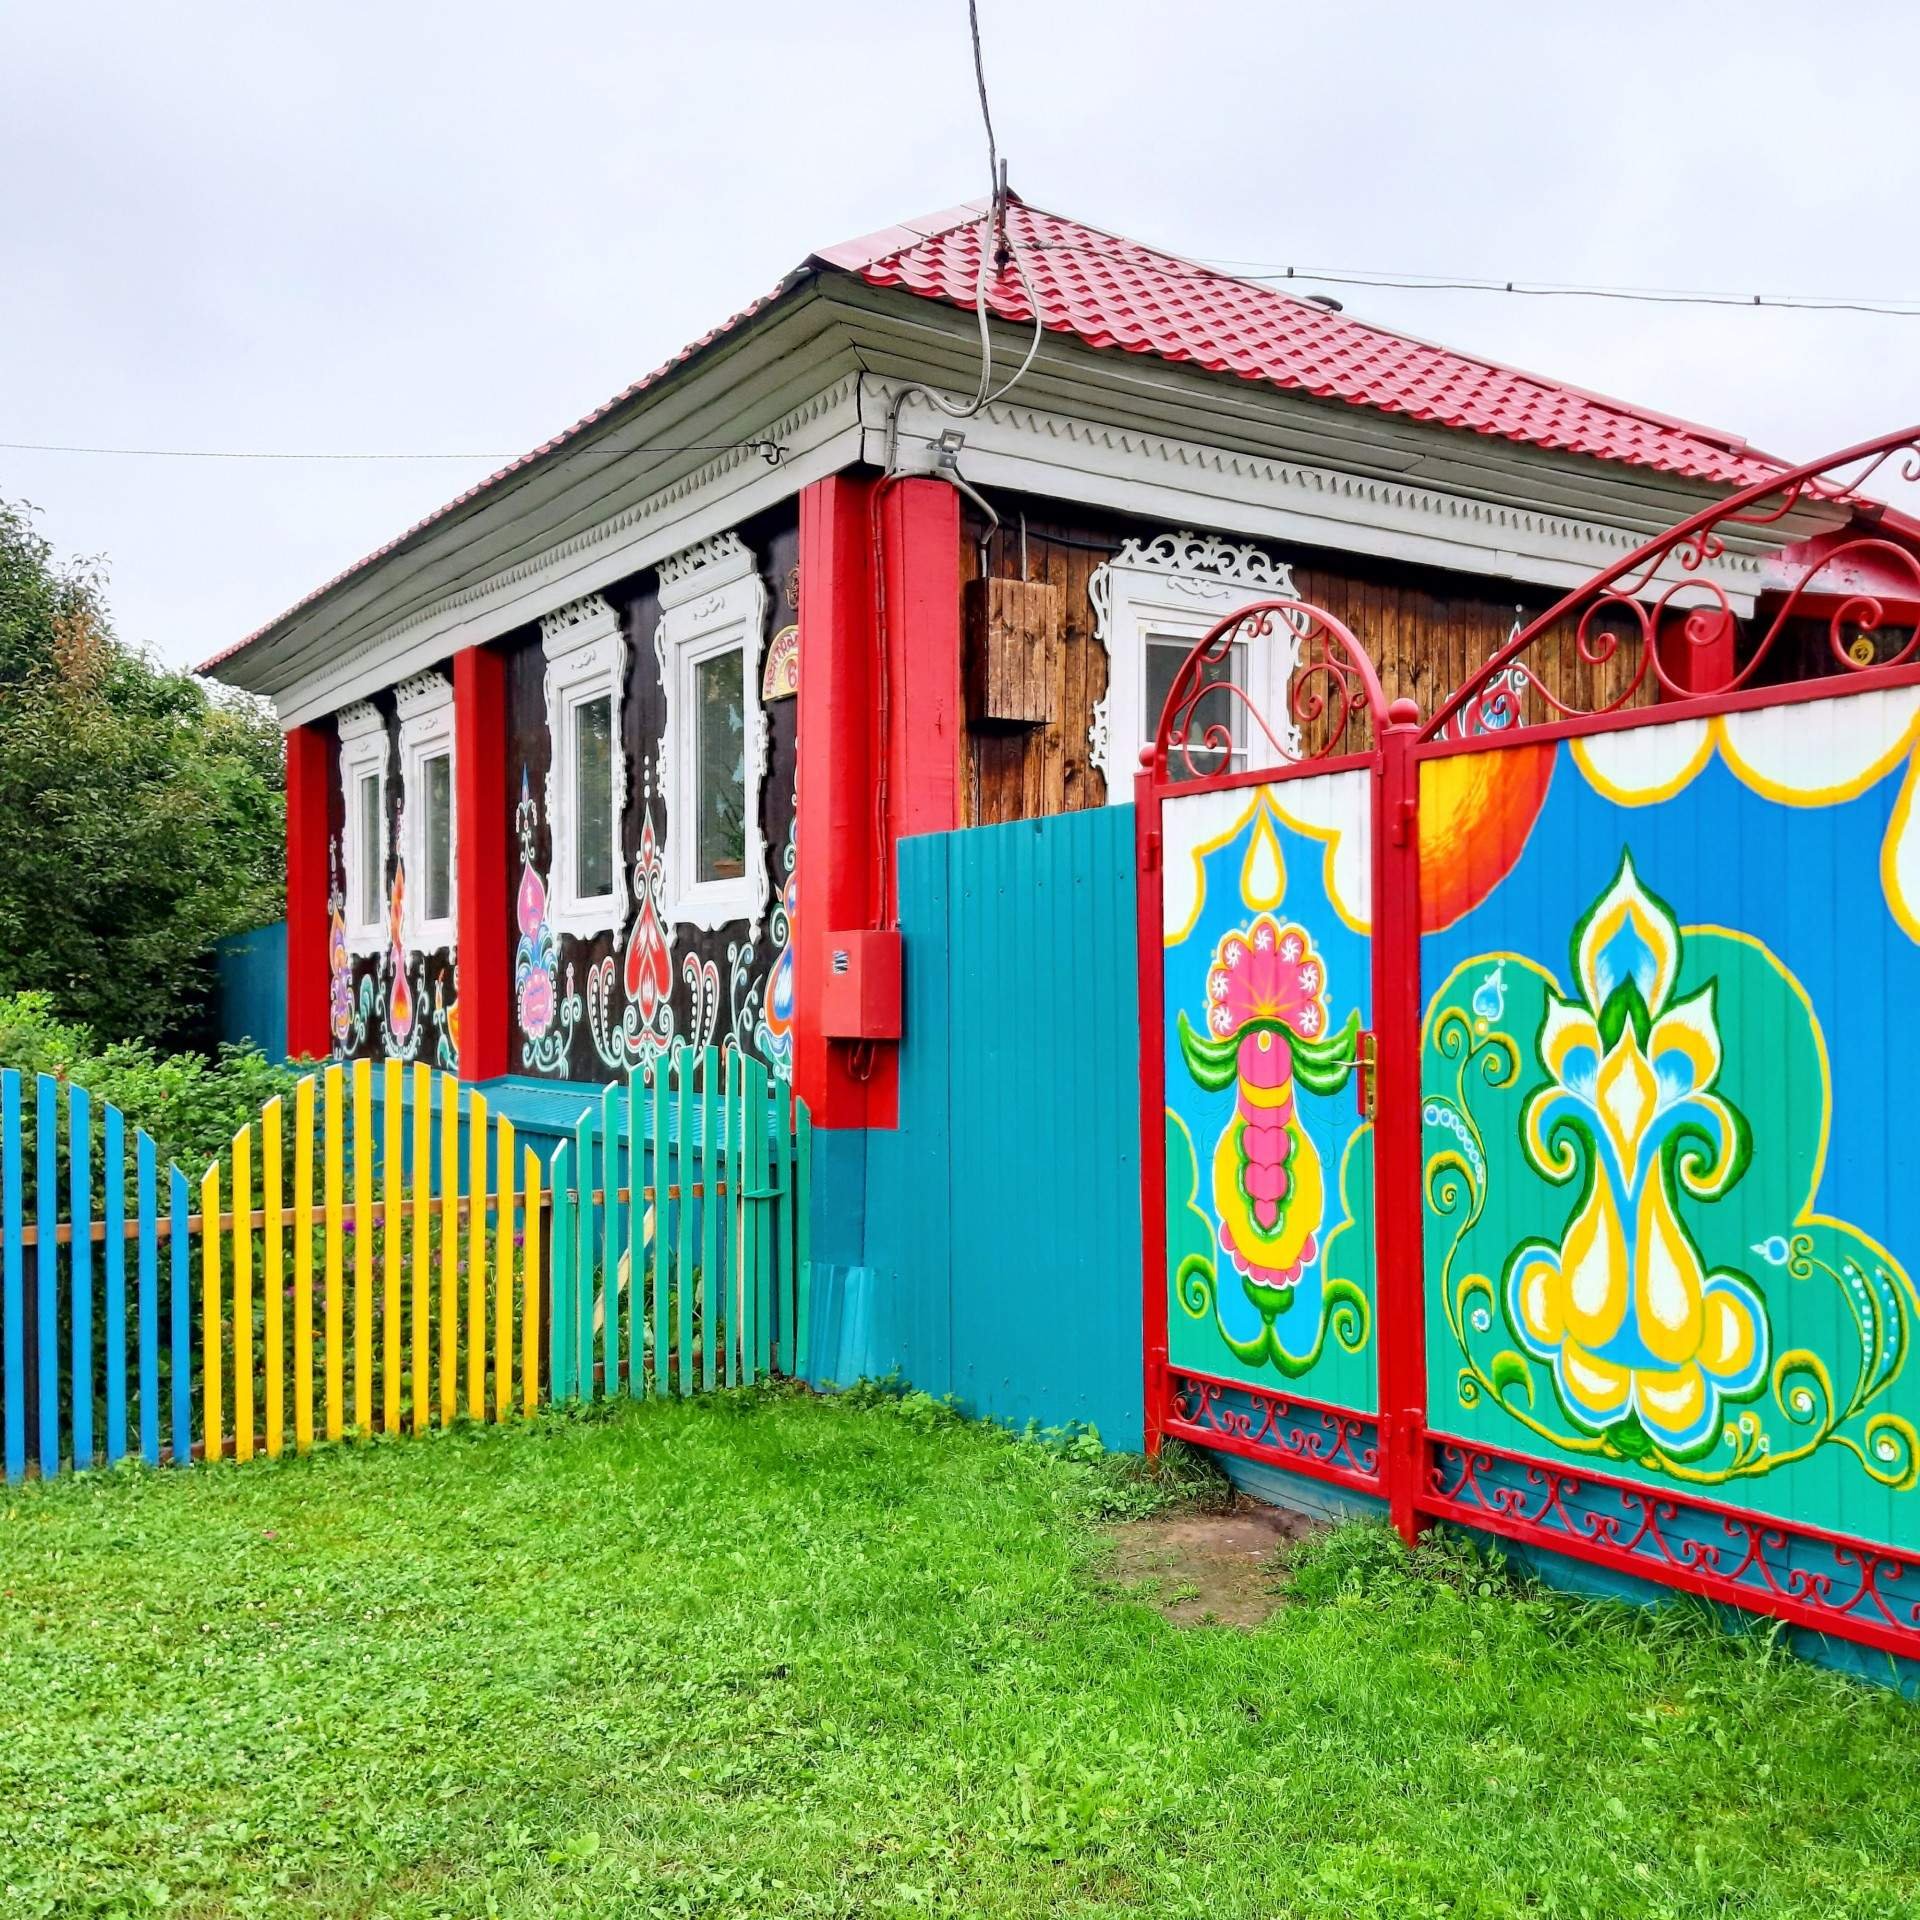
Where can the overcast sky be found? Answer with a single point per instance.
(401, 227)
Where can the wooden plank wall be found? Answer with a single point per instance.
(1424, 629)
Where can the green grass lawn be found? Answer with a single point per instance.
(768, 1655)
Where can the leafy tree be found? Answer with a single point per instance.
(141, 813)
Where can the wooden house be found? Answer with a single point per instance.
(615, 750)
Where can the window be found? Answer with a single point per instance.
(713, 614)
(593, 796)
(1212, 713)
(363, 784)
(587, 779)
(427, 847)
(437, 889)
(370, 809)
(720, 768)
(1152, 602)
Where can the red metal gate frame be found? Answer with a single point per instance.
(1658, 600)
(1334, 692)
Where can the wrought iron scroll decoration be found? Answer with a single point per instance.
(1619, 606)
(1333, 697)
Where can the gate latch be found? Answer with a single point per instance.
(1366, 1060)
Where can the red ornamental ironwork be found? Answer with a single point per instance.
(1297, 1433)
(1332, 686)
(1691, 617)
(1802, 1574)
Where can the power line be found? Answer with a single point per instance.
(771, 451)
(1265, 272)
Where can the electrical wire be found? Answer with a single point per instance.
(1268, 272)
(771, 451)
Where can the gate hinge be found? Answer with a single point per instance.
(1151, 853)
(1366, 1061)
(1402, 823)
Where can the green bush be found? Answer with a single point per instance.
(191, 1103)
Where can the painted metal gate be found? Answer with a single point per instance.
(1525, 1096)
(1262, 951)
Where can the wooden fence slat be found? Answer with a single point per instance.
(393, 1237)
(422, 1245)
(180, 1316)
(710, 1177)
(503, 1269)
(762, 1218)
(113, 1210)
(146, 1179)
(583, 1250)
(363, 1155)
(273, 1278)
(303, 1266)
(80, 1274)
(13, 1375)
(564, 1325)
(212, 1414)
(530, 1293)
(803, 1236)
(610, 1262)
(46, 1207)
(683, 1218)
(784, 1304)
(449, 1246)
(636, 1222)
(477, 1172)
(336, 1277)
(657, 1178)
(242, 1293)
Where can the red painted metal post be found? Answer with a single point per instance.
(480, 828)
(307, 754)
(878, 744)
(1153, 1099)
(834, 783)
(1396, 1129)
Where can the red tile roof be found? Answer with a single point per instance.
(1112, 292)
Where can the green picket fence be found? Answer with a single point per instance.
(679, 1237)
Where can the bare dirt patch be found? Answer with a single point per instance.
(1198, 1568)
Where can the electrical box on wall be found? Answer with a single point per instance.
(862, 998)
(1013, 632)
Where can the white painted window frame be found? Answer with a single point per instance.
(363, 751)
(426, 733)
(712, 601)
(586, 655)
(1177, 586)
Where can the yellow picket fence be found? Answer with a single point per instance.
(410, 1228)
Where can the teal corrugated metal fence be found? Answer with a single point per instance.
(1003, 1216)
(250, 988)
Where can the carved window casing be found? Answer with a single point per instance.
(586, 655)
(713, 753)
(364, 842)
(1152, 602)
(429, 844)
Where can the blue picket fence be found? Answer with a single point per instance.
(32, 1314)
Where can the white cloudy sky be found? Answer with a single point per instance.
(380, 225)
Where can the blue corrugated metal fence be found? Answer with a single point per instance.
(1002, 1242)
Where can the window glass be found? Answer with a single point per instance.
(1220, 710)
(720, 767)
(593, 798)
(437, 809)
(372, 880)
